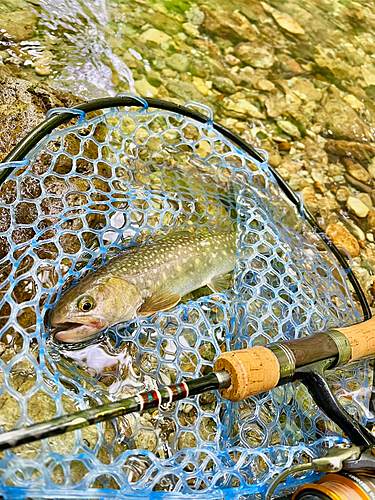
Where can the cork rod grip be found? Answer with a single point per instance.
(361, 338)
(252, 371)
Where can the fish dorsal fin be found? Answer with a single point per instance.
(159, 301)
(221, 283)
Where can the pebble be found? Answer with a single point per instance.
(342, 194)
(355, 103)
(144, 88)
(289, 128)
(154, 35)
(358, 172)
(178, 62)
(232, 60)
(191, 30)
(224, 85)
(274, 157)
(371, 169)
(43, 70)
(169, 73)
(358, 207)
(342, 238)
(289, 168)
(314, 152)
(284, 20)
(231, 26)
(201, 86)
(308, 194)
(263, 84)
(242, 108)
(371, 218)
(258, 56)
(45, 58)
(366, 199)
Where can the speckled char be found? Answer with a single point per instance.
(143, 280)
(178, 263)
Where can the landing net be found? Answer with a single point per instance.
(121, 177)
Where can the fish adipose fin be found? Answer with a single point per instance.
(221, 283)
(159, 301)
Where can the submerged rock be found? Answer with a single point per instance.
(22, 106)
(342, 122)
(342, 238)
(233, 26)
(258, 55)
(358, 150)
(185, 91)
(18, 25)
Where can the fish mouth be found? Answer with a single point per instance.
(73, 332)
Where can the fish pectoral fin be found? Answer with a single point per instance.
(159, 301)
(221, 282)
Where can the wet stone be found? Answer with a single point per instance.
(342, 238)
(224, 84)
(357, 206)
(18, 25)
(233, 26)
(358, 172)
(178, 62)
(255, 54)
(342, 122)
(357, 150)
(185, 91)
(155, 36)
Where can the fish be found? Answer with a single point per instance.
(143, 280)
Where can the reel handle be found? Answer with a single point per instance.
(259, 369)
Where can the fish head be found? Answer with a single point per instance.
(90, 307)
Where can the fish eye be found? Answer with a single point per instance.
(86, 303)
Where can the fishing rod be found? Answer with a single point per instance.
(238, 375)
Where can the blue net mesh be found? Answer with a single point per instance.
(125, 176)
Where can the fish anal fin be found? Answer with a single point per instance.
(220, 283)
(159, 301)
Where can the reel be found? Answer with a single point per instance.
(341, 486)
